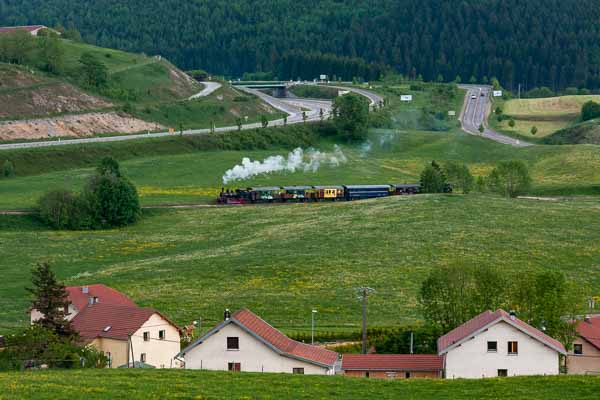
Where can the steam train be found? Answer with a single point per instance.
(300, 194)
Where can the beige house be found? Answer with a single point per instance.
(584, 357)
(109, 321)
(245, 342)
(498, 344)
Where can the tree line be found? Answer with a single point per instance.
(534, 43)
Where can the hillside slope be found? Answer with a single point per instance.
(142, 94)
(584, 133)
(555, 46)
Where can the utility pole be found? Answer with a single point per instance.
(312, 335)
(519, 91)
(411, 341)
(364, 294)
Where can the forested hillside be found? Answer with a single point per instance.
(554, 43)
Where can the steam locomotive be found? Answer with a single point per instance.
(300, 194)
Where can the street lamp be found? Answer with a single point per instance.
(312, 336)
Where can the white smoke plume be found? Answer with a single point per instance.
(298, 160)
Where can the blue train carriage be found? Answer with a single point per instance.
(358, 192)
(266, 194)
(299, 193)
(329, 192)
(405, 189)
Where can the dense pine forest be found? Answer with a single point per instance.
(554, 43)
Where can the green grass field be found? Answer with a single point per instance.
(281, 261)
(200, 385)
(548, 115)
(196, 176)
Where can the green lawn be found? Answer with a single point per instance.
(281, 261)
(200, 385)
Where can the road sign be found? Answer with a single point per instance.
(497, 93)
(323, 77)
(406, 97)
(451, 113)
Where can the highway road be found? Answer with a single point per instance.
(475, 113)
(209, 87)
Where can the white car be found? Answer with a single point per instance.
(473, 97)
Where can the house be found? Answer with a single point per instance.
(498, 344)
(584, 358)
(112, 323)
(129, 334)
(245, 342)
(393, 366)
(82, 296)
(32, 29)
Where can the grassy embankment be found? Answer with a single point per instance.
(144, 384)
(548, 115)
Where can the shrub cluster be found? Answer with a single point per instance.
(108, 200)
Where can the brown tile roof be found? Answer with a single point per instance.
(590, 331)
(281, 342)
(105, 295)
(94, 321)
(392, 362)
(28, 28)
(489, 318)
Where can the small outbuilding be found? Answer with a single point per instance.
(393, 366)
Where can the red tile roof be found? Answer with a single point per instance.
(104, 294)
(28, 28)
(283, 343)
(392, 362)
(590, 331)
(486, 318)
(95, 319)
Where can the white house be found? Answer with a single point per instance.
(244, 342)
(498, 344)
(109, 321)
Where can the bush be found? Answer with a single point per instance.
(113, 201)
(8, 169)
(62, 209)
(510, 178)
(433, 179)
(590, 110)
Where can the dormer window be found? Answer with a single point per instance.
(93, 300)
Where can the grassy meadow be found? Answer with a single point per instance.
(396, 156)
(282, 261)
(200, 385)
(548, 115)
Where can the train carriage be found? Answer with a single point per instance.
(330, 193)
(404, 189)
(299, 193)
(358, 192)
(266, 194)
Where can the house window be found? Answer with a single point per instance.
(513, 347)
(235, 367)
(502, 372)
(143, 357)
(233, 343)
(492, 347)
(298, 371)
(146, 336)
(407, 375)
(367, 374)
(162, 335)
(578, 349)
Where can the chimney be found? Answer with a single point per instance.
(226, 314)
(85, 289)
(513, 314)
(587, 319)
